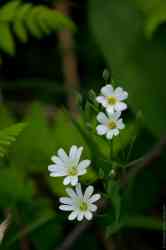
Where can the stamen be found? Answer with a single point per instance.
(72, 171)
(83, 206)
(112, 100)
(112, 124)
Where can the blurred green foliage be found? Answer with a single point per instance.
(25, 19)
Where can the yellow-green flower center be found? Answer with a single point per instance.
(112, 100)
(83, 206)
(72, 171)
(112, 124)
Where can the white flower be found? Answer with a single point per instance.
(80, 204)
(69, 166)
(110, 124)
(112, 99)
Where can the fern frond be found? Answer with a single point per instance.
(8, 135)
(25, 19)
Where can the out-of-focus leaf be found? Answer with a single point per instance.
(34, 147)
(138, 221)
(19, 22)
(141, 221)
(32, 227)
(156, 17)
(14, 188)
(7, 12)
(115, 197)
(6, 39)
(8, 135)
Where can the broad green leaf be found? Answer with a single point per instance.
(139, 63)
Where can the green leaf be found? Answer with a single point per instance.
(156, 17)
(40, 222)
(139, 63)
(8, 135)
(141, 221)
(137, 221)
(6, 39)
(19, 22)
(25, 19)
(32, 24)
(114, 195)
(8, 11)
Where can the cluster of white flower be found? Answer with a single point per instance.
(113, 102)
(70, 167)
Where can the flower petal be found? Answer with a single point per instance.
(120, 106)
(66, 180)
(83, 165)
(58, 173)
(121, 94)
(107, 90)
(116, 132)
(78, 154)
(72, 215)
(102, 118)
(52, 167)
(101, 129)
(79, 190)
(110, 109)
(62, 154)
(110, 134)
(71, 193)
(88, 192)
(73, 152)
(65, 207)
(92, 207)
(120, 124)
(115, 115)
(57, 160)
(101, 99)
(80, 216)
(88, 215)
(94, 198)
(73, 180)
(66, 200)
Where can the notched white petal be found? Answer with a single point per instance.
(72, 215)
(107, 90)
(62, 154)
(88, 192)
(101, 129)
(88, 215)
(66, 200)
(95, 198)
(66, 180)
(65, 207)
(102, 118)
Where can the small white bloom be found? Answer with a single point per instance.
(69, 166)
(112, 99)
(110, 124)
(80, 204)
